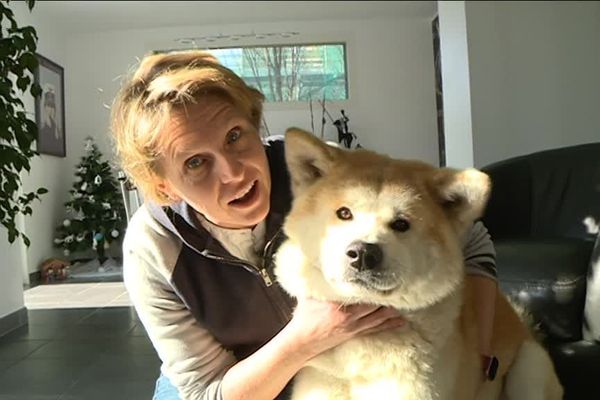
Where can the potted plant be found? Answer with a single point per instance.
(17, 132)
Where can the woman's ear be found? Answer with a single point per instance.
(166, 192)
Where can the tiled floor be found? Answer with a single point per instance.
(77, 295)
(78, 354)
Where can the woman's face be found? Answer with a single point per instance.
(214, 160)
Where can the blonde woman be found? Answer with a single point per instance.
(197, 254)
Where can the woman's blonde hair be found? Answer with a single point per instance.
(161, 85)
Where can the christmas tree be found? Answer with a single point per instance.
(95, 213)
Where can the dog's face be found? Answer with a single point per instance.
(372, 229)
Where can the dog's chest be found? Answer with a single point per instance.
(404, 365)
(386, 354)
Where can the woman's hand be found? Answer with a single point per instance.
(318, 325)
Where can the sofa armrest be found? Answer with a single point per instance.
(547, 277)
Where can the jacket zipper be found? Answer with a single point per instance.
(264, 274)
(281, 304)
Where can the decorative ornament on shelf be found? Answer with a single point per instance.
(345, 137)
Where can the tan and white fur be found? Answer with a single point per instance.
(415, 215)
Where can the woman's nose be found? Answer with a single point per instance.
(230, 169)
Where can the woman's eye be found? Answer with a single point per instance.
(233, 135)
(194, 163)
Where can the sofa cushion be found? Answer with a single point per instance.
(576, 364)
(547, 277)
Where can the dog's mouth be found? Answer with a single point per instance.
(381, 282)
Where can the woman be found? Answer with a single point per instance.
(197, 254)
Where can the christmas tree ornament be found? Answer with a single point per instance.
(69, 239)
(57, 241)
(91, 199)
(115, 233)
(66, 223)
(78, 179)
(84, 187)
(89, 144)
(106, 206)
(98, 180)
(66, 252)
(80, 238)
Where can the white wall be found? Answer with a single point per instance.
(455, 81)
(46, 171)
(535, 81)
(391, 106)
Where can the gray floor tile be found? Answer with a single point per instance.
(123, 316)
(29, 397)
(88, 350)
(31, 377)
(78, 354)
(132, 390)
(18, 350)
(122, 368)
(36, 332)
(138, 330)
(4, 365)
(59, 316)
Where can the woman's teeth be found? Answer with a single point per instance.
(245, 192)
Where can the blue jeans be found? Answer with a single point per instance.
(164, 389)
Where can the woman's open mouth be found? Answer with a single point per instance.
(247, 197)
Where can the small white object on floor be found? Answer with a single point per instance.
(93, 269)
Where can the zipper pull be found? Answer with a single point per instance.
(266, 277)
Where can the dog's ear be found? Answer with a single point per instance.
(308, 158)
(463, 194)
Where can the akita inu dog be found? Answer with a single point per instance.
(365, 228)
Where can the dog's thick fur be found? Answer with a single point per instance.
(416, 215)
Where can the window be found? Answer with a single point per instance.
(285, 73)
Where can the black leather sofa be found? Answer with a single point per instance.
(544, 250)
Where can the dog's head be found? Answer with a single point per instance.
(373, 229)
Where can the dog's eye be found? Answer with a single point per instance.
(400, 225)
(344, 213)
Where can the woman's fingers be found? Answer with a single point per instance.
(377, 318)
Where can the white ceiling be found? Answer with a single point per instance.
(99, 16)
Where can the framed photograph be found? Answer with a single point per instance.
(50, 108)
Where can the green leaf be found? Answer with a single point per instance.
(36, 90)
(23, 83)
(17, 132)
(28, 61)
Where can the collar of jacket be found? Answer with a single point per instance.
(180, 218)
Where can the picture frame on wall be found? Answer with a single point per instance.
(50, 108)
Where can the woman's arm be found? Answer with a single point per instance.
(315, 327)
(480, 261)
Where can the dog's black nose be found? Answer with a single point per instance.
(363, 256)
